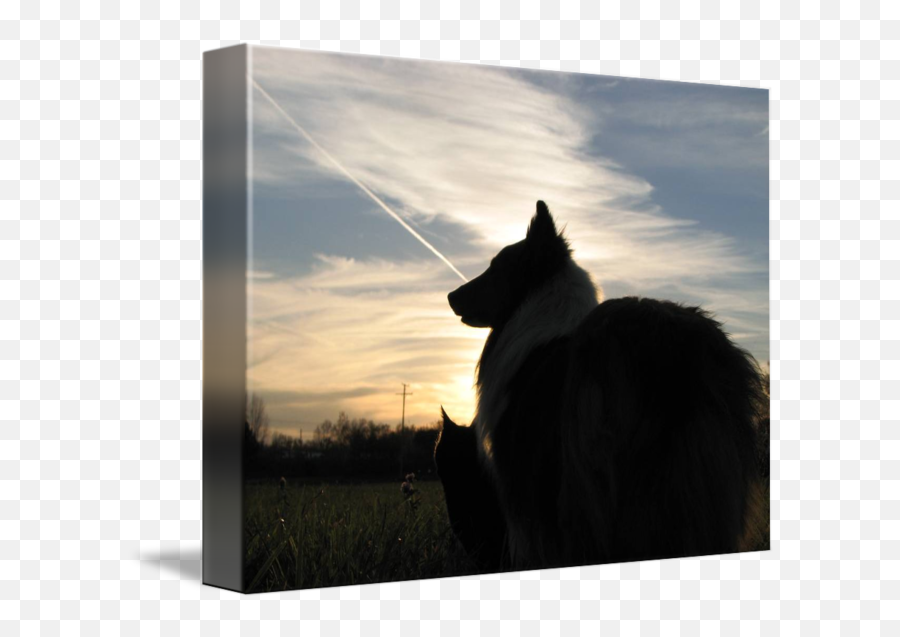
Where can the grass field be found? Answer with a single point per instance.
(314, 536)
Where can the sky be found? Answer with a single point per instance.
(662, 188)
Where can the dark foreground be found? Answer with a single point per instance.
(315, 536)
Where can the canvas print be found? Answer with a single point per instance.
(488, 319)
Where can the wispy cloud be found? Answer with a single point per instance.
(347, 334)
(477, 146)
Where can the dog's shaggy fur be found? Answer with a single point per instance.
(604, 432)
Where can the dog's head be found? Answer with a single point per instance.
(490, 299)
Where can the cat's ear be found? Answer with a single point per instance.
(447, 423)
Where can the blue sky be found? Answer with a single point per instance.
(662, 187)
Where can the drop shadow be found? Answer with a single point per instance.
(185, 563)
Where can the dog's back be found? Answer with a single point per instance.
(632, 438)
(659, 419)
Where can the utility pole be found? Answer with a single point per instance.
(403, 441)
(404, 394)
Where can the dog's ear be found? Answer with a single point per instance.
(542, 225)
(548, 246)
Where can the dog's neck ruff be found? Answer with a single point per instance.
(551, 311)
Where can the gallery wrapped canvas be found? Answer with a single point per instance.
(463, 319)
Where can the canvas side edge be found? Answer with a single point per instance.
(225, 218)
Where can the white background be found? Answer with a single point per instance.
(100, 317)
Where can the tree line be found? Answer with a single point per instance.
(359, 449)
(347, 449)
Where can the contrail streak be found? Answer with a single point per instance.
(356, 181)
